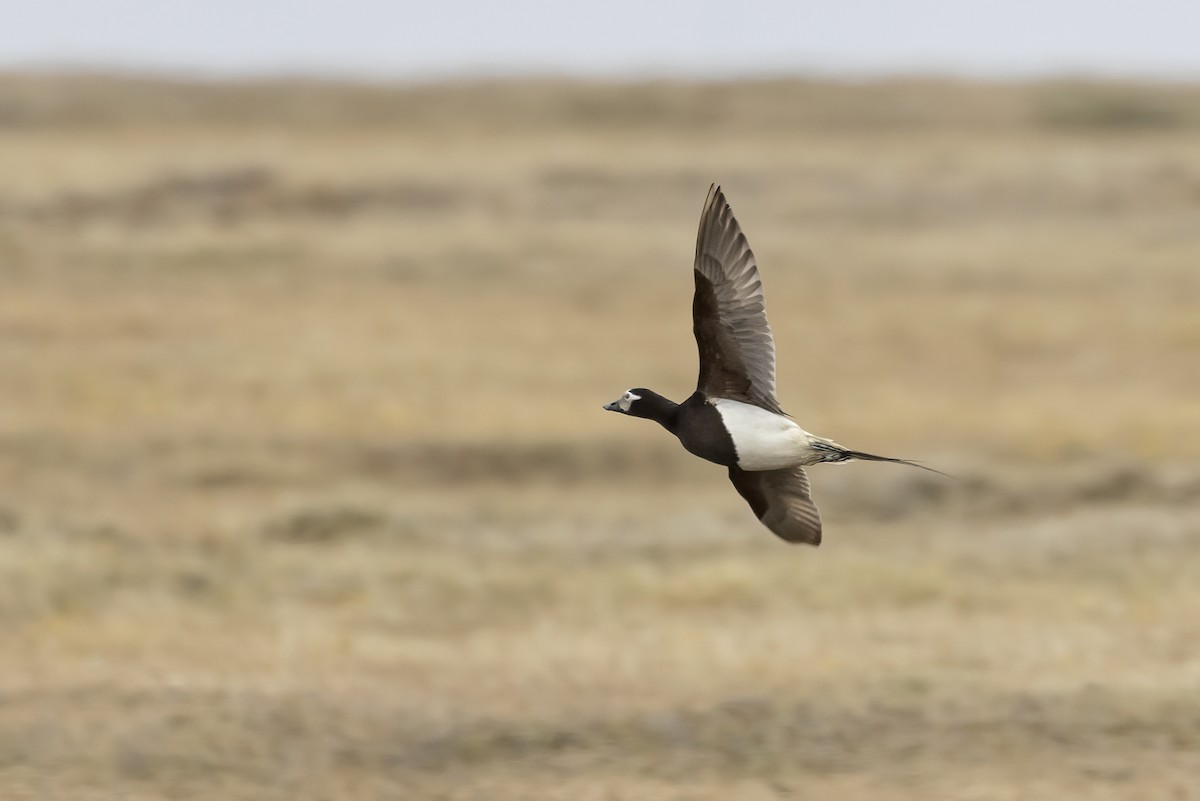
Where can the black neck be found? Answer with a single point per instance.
(655, 407)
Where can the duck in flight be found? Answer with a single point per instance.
(733, 417)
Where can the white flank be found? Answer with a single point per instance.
(763, 440)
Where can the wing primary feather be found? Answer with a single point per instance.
(782, 500)
(733, 337)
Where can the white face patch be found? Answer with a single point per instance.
(627, 400)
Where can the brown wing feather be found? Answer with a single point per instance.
(782, 500)
(729, 319)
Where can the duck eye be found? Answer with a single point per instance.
(628, 396)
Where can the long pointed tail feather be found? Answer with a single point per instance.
(870, 457)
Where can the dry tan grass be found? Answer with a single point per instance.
(305, 491)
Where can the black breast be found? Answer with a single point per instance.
(702, 431)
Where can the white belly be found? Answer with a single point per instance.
(763, 440)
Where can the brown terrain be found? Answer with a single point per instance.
(306, 493)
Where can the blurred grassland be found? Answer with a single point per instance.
(305, 491)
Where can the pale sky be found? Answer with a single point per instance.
(427, 38)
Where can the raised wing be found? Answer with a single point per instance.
(737, 351)
(782, 500)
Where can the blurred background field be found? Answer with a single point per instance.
(305, 489)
